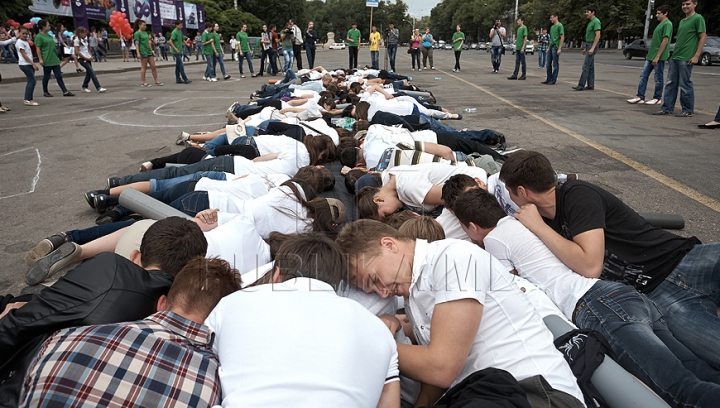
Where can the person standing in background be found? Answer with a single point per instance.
(658, 53)
(82, 53)
(287, 38)
(199, 47)
(297, 44)
(427, 50)
(104, 35)
(353, 39)
(458, 39)
(311, 37)
(93, 41)
(497, 33)
(233, 42)
(265, 48)
(557, 39)
(374, 48)
(219, 46)
(543, 43)
(415, 42)
(272, 51)
(243, 47)
(147, 56)
(27, 66)
(209, 52)
(392, 43)
(163, 46)
(48, 58)
(520, 42)
(592, 37)
(176, 47)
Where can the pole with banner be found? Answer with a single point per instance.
(155, 16)
(79, 14)
(201, 17)
(372, 4)
(180, 13)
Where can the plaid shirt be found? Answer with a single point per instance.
(545, 44)
(164, 360)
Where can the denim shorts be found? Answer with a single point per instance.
(145, 55)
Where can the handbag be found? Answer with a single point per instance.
(409, 50)
(235, 131)
(502, 46)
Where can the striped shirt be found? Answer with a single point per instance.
(164, 360)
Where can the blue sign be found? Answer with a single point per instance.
(372, 3)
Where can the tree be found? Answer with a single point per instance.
(14, 9)
(232, 19)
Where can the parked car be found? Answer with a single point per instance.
(509, 46)
(337, 46)
(473, 46)
(529, 48)
(465, 46)
(484, 46)
(436, 45)
(637, 48)
(710, 52)
(448, 46)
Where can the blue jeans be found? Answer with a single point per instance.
(588, 68)
(415, 55)
(221, 61)
(310, 53)
(496, 56)
(645, 75)
(160, 185)
(520, 60)
(222, 164)
(210, 69)
(86, 235)
(436, 126)
(198, 53)
(542, 57)
(31, 81)
(248, 56)
(58, 77)
(392, 52)
(222, 140)
(179, 68)
(375, 59)
(9, 52)
(89, 74)
(679, 74)
(717, 116)
(689, 298)
(637, 333)
(192, 203)
(288, 56)
(272, 59)
(553, 65)
(95, 54)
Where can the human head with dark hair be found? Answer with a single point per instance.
(346, 142)
(327, 214)
(328, 178)
(456, 185)
(478, 212)
(320, 148)
(377, 202)
(209, 26)
(664, 10)
(526, 173)
(399, 218)
(139, 25)
(311, 175)
(362, 110)
(521, 19)
(44, 25)
(590, 11)
(200, 285)
(178, 24)
(351, 177)
(170, 243)
(380, 257)
(422, 227)
(311, 255)
(360, 125)
(355, 88)
(350, 156)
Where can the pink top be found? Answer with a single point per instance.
(415, 43)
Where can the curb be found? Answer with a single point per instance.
(14, 80)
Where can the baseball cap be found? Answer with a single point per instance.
(337, 209)
(360, 134)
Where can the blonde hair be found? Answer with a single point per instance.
(423, 227)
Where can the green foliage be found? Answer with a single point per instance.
(338, 15)
(14, 9)
(232, 19)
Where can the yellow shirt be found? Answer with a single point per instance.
(375, 41)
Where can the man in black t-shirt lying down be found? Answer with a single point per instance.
(598, 236)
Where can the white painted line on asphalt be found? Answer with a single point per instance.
(112, 122)
(37, 172)
(185, 99)
(63, 113)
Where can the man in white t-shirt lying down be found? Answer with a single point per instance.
(290, 341)
(630, 322)
(466, 313)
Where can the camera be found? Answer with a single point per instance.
(387, 32)
(288, 31)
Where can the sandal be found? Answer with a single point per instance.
(145, 85)
(3, 109)
(242, 76)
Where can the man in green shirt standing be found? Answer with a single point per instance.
(658, 53)
(557, 39)
(220, 51)
(592, 37)
(691, 37)
(520, 42)
(287, 39)
(176, 47)
(353, 39)
(243, 47)
(458, 39)
(208, 50)
(48, 58)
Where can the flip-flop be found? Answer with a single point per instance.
(709, 126)
(145, 85)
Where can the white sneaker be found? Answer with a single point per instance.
(205, 78)
(654, 102)
(212, 79)
(419, 69)
(102, 90)
(184, 136)
(86, 90)
(635, 100)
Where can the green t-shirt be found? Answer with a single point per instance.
(47, 50)
(242, 39)
(663, 30)
(593, 25)
(354, 35)
(457, 46)
(687, 37)
(287, 42)
(556, 30)
(176, 38)
(142, 38)
(207, 49)
(521, 34)
(218, 46)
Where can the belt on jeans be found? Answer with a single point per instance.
(581, 304)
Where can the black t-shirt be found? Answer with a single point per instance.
(636, 253)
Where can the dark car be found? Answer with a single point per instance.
(710, 52)
(637, 48)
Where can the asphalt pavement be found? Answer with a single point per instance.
(53, 153)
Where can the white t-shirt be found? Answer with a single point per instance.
(24, 45)
(451, 225)
(83, 46)
(414, 182)
(278, 210)
(238, 242)
(232, 43)
(400, 108)
(518, 248)
(511, 335)
(298, 344)
(320, 126)
(293, 155)
(370, 301)
(229, 194)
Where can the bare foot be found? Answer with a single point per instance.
(712, 123)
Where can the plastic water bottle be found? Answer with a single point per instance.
(469, 110)
(438, 78)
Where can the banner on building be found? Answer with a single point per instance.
(52, 7)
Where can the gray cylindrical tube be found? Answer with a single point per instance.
(147, 206)
(667, 221)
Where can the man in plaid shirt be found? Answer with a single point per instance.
(164, 360)
(543, 43)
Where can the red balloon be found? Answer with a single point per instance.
(28, 25)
